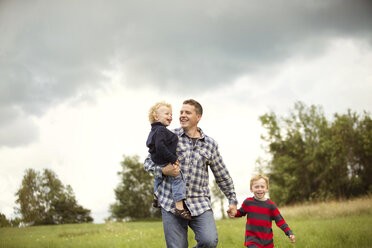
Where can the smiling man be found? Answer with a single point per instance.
(196, 152)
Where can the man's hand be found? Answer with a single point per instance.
(232, 211)
(292, 238)
(171, 170)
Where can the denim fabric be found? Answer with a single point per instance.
(175, 230)
(178, 187)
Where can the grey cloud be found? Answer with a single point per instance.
(17, 129)
(209, 46)
(54, 50)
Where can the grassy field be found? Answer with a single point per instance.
(332, 224)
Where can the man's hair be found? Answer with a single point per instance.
(258, 177)
(154, 109)
(198, 106)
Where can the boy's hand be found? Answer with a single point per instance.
(232, 211)
(292, 238)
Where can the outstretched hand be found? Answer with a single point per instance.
(232, 211)
(292, 238)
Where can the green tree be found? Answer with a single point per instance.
(29, 198)
(313, 158)
(218, 197)
(43, 199)
(4, 222)
(134, 193)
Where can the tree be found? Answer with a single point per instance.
(30, 199)
(315, 159)
(4, 222)
(134, 193)
(43, 199)
(219, 197)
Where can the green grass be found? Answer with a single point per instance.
(332, 224)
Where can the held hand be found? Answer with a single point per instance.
(292, 238)
(232, 211)
(171, 170)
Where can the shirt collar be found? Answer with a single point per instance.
(202, 135)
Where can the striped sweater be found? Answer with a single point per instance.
(259, 219)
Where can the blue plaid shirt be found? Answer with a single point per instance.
(194, 161)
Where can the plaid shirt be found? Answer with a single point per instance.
(194, 161)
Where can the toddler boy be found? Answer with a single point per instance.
(162, 144)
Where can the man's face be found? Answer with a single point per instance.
(188, 117)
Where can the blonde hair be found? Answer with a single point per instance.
(258, 177)
(153, 110)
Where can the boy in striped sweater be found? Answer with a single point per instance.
(260, 212)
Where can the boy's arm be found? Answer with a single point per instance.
(280, 222)
(242, 211)
(238, 214)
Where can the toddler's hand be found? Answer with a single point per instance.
(292, 238)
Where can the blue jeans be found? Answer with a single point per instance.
(175, 230)
(178, 187)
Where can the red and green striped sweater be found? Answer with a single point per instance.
(260, 215)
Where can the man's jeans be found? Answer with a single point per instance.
(175, 230)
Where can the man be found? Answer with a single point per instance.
(196, 151)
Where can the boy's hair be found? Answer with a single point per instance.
(198, 106)
(258, 177)
(153, 109)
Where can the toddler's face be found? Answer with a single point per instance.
(164, 115)
(259, 189)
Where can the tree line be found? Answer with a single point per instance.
(42, 199)
(310, 159)
(315, 159)
(135, 192)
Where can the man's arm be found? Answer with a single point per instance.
(153, 168)
(224, 180)
(158, 171)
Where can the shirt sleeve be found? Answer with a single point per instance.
(222, 176)
(280, 222)
(152, 168)
(242, 211)
(238, 214)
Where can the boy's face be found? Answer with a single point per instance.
(164, 115)
(259, 189)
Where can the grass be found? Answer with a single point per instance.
(331, 224)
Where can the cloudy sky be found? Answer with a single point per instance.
(77, 79)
